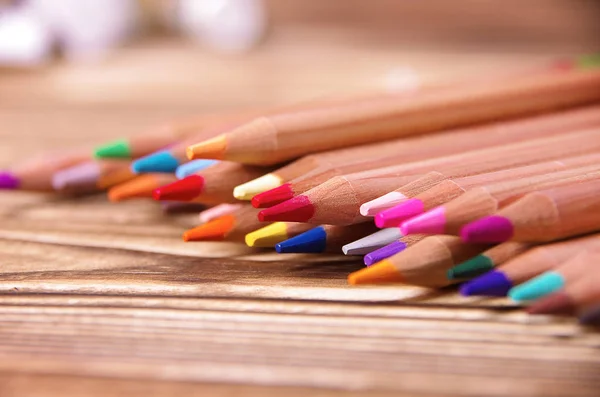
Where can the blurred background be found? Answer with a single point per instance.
(91, 70)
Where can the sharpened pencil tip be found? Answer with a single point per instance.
(373, 207)
(313, 241)
(394, 216)
(210, 149)
(162, 161)
(8, 181)
(273, 196)
(142, 186)
(115, 149)
(191, 167)
(473, 267)
(185, 189)
(372, 242)
(489, 229)
(249, 190)
(380, 273)
(430, 222)
(215, 230)
(494, 283)
(556, 303)
(267, 236)
(384, 252)
(537, 287)
(298, 209)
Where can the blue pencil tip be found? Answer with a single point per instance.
(192, 167)
(494, 283)
(155, 162)
(313, 241)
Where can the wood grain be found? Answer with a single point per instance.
(104, 299)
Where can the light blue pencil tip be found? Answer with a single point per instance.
(156, 162)
(538, 287)
(191, 167)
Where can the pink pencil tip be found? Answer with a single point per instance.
(396, 215)
(431, 222)
(490, 229)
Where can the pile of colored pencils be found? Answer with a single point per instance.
(493, 183)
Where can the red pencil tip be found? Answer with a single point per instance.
(298, 209)
(273, 197)
(185, 189)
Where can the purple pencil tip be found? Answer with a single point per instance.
(8, 181)
(494, 283)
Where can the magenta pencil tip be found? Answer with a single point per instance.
(8, 180)
(490, 229)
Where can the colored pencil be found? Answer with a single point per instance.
(212, 185)
(231, 227)
(92, 176)
(591, 315)
(580, 294)
(528, 265)
(545, 215)
(517, 130)
(374, 241)
(302, 177)
(141, 186)
(271, 140)
(392, 248)
(338, 200)
(217, 211)
(36, 173)
(326, 238)
(175, 207)
(269, 236)
(480, 202)
(556, 279)
(424, 264)
(449, 188)
(168, 134)
(488, 260)
(193, 167)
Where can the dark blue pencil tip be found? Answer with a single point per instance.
(313, 241)
(494, 283)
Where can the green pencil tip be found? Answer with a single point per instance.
(471, 268)
(114, 149)
(588, 61)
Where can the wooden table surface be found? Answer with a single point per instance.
(104, 299)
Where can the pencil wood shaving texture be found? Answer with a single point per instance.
(271, 140)
(426, 263)
(482, 201)
(546, 257)
(436, 188)
(555, 213)
(338, 200)
(220, 180)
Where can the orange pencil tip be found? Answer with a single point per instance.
(379, 273)
(215, 230)
(139, 187)
(211, 149)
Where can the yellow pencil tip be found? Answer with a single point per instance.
(250, 189)
(379, 273)
(213, 148)
(268, 236)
